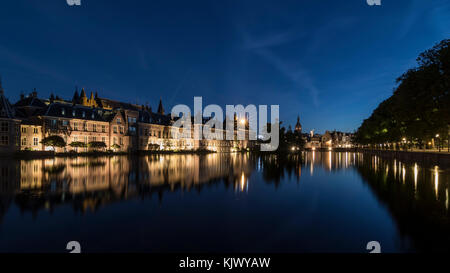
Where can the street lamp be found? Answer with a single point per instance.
(439, 142)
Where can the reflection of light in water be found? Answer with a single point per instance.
(416, 172)
(403, 173)
(436, 179)
(395, 168)
(244, 184)
(446, 199)
(312, 163)
(329, 159)
(346, 159)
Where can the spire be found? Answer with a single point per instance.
(298, 125)
(83, 94)
(76, 97)
(160, 107)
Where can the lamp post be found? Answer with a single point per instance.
(439, 142)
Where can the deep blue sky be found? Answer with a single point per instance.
(332, 62)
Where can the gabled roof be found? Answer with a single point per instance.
(6, 111)
(102, 102)
(146, 116)
(31, 101)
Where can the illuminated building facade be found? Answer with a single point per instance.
(82, 121)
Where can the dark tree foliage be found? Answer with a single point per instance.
(54, 141)
(419, 108)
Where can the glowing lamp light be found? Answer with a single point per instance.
(242, 121)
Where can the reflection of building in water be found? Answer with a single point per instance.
(331, 160)
(90, 182)
(190, 170)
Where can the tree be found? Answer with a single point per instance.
(115, 147)
(418, 109)
(54, 141)
(97, 145)
(78, 144)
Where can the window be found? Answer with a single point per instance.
(75, 126)
(94, 138)
(121, 141)
(146, 132)
(24, 130)
(53, 123)
(4, 127)
(35, 130)
(119, 121)
(63, 111)
(132, 130)
(35, 141)
(115, 129)
(114, 140)
(75, 139)
(131, 120)
(24, 141)
(103, 128)
(94, 127)
(73, 112)
(121, 129)
(92, 116)
(65, 123)
(104, 139)
(83, 114)
(4, 140)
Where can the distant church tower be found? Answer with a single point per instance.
(160, 108)
(298, 126)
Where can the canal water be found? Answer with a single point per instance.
(310, 202)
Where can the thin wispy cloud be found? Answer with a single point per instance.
(30, 64)
(293, 71)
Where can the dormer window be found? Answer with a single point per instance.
(63, 111)
(92, 115)
(83, 114)
(73, 112)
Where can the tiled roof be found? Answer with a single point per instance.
(78, 112)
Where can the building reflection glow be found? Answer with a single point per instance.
(436, 180)
(122, 177)
(416, 173)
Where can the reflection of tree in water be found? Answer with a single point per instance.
(276, 167)
(414, 207)
(5, 203)
(55, 169)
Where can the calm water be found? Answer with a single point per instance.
(314, 202)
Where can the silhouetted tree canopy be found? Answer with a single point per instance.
(419, 107)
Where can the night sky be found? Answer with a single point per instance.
(331, 62)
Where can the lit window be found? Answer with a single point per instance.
(35, 141)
